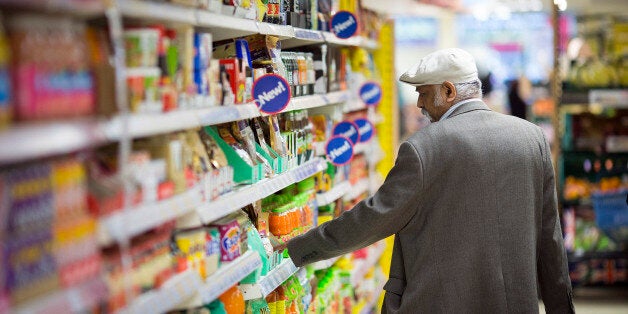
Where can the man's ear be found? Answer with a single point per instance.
(449, 91)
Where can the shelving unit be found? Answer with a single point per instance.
(148, 216)
(173, 292)
(325, 264)
(233, 201)
(30, 141)
(74, 300)
(269, 282)
(332, 195)
(226, 277)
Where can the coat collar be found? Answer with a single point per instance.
(471, 106)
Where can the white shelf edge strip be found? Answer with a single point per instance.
(335, 193)
(148, 216)
(270, 282)
(325, 263)
(233, 201)
(357, 189)
(358, 275)
(72, 300)
(42, 139)
(204, 18)
(176, 290)
(229, 275)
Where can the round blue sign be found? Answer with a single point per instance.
(271, 93)
(344, 24)
(347, 129)
(365, 128)
(339, 150)
(371, 93)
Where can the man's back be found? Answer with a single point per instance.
(472, 246)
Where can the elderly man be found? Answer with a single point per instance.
(472, 202)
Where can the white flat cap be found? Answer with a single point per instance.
(454, 65)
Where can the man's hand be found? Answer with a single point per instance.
(278, 244)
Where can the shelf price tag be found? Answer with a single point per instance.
(371, 93)
(339, 150)
(344, 24)
(365, 129)
(272, 93)
(347, 129)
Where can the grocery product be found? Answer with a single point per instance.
(229, 238)
(233, 301)
(5, 80)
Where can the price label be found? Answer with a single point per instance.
(271, 93)
(365, 129)
(371, 93)
(344, 24)
(339, 150)
(347, 129)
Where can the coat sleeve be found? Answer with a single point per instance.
(374, 218)
(552, 269)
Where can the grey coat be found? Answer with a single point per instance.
(472, 202)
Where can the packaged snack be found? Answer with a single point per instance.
(229, 238)
(212, 250)
(225, 134)
(233, 301)
(141, 47)
(5, 80)
(277, 141)
(143, 89)
(257, 307)
(190, 250)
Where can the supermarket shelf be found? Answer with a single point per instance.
(270, 282)
(147, 216)
(77, 299)
(43, 139)
(229, 26)
(354, 105)
(157, 11)
(605, 98)
(363, 266)
(325, 263)
(353, 41)
(233, 201)
(176, 290)
(335, 193)
(576, 258)
(232, 26)
(314, 101)
(226, 277)
(358, 189)
(89, 8)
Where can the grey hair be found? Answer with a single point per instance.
(468, 90)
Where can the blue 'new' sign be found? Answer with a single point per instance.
(271, 93)
(339, 150)
(344, 24)
(347, 129)
(365, 128)
(371, 93)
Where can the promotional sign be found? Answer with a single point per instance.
(365, 129)
(339, 150)
(371, 93)
(271, 93)
(344, 24)
(347, 129)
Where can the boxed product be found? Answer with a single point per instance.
(230, 233)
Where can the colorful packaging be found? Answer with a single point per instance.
(143, 90)
(236, 77)
(233, 301)
(229, 238)
(141, 46)
(212, 250)
(190, 250)
(5, 80)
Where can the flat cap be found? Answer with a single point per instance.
(454, 65)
